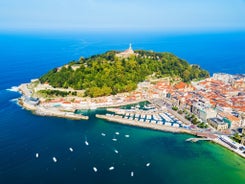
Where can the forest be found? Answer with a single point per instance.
(106, 74)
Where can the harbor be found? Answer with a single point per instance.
(163, 120)
(42, 111)
(154, 119)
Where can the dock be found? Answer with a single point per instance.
(198, 139)
(160, 127)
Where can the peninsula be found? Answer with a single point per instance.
(183, 97)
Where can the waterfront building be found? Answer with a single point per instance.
(218, 124)
(207, 113)
(226, 78)
(231, 119)
(31, 100)
(243, 130)
(243, 140)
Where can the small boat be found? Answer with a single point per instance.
(103, 134)
(111, 168)
(117, 133)
(127, 136)
(116, 151)
(86, 142)
(95, 169)
(37, 155)
(114, 139)
(71, 150)
(54, 159)
(148, 164)
(132, 173)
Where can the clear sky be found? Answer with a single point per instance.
(152, 15)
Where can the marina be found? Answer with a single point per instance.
(153, 117)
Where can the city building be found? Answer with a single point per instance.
(243, 140)
(218, 124)
(227, 78)
(207, 114)
(243, 130)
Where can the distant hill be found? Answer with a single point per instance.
(106, 74)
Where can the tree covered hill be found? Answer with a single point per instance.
(106, 74)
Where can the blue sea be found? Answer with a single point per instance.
(172, 160)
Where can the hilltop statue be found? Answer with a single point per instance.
(127, 52)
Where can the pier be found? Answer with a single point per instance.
(160, 127)
(198, 139)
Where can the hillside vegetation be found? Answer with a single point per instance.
(106, 74)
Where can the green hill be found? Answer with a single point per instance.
(106, 74)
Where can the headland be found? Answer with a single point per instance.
(184, 98)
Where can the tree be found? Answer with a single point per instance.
(115, 75)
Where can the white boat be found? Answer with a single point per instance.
(37, 155)
(132, 173)
(103, 134)
(117, 133)
(111, 168)
(127, 136)
(148, 164)
(114, 139)
(95, 169)
(116, 151)
(71, 150)
(54, 159)
(86, 142)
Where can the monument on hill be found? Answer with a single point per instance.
(126, 53)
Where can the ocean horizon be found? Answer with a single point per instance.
(173, 160)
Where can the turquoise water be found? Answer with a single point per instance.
(173, 160)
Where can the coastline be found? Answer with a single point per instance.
(118, 119)
(49, 110)
(41, 111)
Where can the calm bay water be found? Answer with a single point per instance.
(173, 160)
